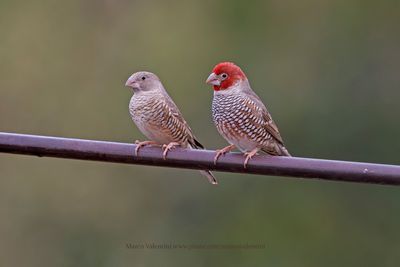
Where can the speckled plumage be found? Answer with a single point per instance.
(240, 116)
(157, 120)
(157, 116)
(243, 123)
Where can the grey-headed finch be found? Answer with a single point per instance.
(240, 116)
(158, 118)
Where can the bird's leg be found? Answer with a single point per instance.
(249, 155)
(142, 144)
(222, 151)
(168, 147)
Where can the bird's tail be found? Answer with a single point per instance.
(284, 151)
(276, 150)
(210, 176)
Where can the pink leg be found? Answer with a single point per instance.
(222, 151)
(168, 147)
(249, 155)
(142, 144)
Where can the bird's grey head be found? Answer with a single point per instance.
(143, 81)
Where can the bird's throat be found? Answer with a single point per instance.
(217, 87)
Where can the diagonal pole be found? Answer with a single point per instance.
(333, 170)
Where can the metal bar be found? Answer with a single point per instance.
(199, 159)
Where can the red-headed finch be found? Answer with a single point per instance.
(240, 116)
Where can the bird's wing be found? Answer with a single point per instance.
(175, 112)
(262, 113)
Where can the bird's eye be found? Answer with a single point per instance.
(224, 76)
(143, 78)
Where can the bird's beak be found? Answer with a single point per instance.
(130, 82)
(213, 79)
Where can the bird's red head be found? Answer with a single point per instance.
(224, 75)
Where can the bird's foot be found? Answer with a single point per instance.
(248, 156)
(223, 151)
(168, 147)
(142, 144)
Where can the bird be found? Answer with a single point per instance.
(158, 118)
(240, 116)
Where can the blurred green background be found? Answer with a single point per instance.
(327, 70)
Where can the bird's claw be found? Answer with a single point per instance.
(139, 145)
(168, 147)
(249, 156)
(222, 151)
(219, 154)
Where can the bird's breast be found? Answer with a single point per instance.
(237, 123)
(155, 120)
